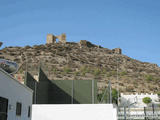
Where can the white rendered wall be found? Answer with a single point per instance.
(128, 99)
(74, 112)
(15, 92)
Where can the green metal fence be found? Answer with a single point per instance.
(62, 91)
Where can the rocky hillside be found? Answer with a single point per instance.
(86, 61)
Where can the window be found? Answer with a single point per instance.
(3, 105)
(18, 109)
(29, 111)
(3, 108)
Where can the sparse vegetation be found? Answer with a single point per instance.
(83, 73)
(113, 73)
(158, 94)
(130, 89)
(99, 96)
(67, 69)
(123, 73)
(149, 78)
(114, 96)
(109, 74)
(84, 70)
(76, 73)
(96, 72)
(54, 70)
(21, 71)
(147, 100)
(104, 71)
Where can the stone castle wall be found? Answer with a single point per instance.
(117, 51)
(52, 38)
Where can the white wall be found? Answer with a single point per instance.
(74, 112)
(15, 92)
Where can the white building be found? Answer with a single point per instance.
(138, 99)
(15, 99)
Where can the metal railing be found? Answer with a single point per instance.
(146, 113)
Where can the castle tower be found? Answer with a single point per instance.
(62, 38)
(50, 39)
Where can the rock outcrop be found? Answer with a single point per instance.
(1, 44)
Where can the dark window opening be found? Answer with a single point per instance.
(18, 109)
(3, 108)
(29, 111)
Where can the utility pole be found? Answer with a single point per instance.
(72, 99)
(35, 92)
(125, 115)
(153, 111)
(118, 82)
(145, 114)
(110, 92)
(93, 92)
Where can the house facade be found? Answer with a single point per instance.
(15, 98)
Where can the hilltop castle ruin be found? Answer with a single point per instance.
(62, 39)
(52, 38)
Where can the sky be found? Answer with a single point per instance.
(132, 25)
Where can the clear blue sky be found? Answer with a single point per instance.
(133, 25)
